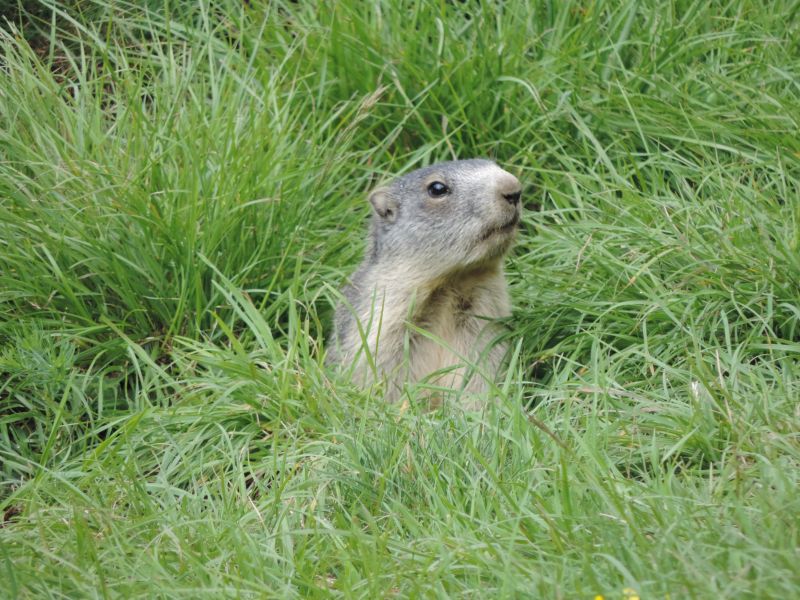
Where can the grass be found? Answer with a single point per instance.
(182, 191)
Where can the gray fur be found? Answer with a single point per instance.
(432, 264)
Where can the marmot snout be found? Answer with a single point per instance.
(433, 263)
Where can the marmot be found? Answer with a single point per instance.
(431, 283)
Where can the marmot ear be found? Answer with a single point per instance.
(384, 204)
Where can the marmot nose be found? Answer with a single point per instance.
(509, 188)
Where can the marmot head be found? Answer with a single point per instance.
(445, 218)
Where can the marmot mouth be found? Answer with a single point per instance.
(510, 225)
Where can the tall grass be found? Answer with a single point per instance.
(182, 191)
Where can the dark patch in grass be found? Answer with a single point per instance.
(11, 513)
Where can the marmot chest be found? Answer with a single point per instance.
(456, 327)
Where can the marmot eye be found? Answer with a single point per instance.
(437, 189)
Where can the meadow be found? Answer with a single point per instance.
(183, 191)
